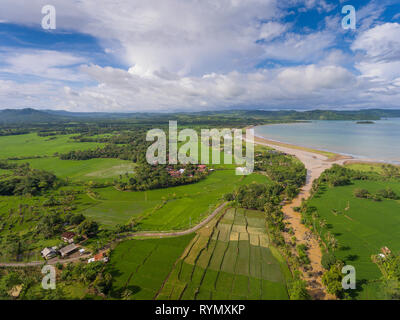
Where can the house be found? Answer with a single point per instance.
(48, 253)
(68, 237)
(68, 250)
(99, 257)
(386, 251)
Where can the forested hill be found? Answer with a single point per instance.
(28, 115)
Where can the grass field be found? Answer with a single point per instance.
(30, 145)
(365, 167)
(362, 230)
(141, 266)
(173, 208)
(230, 259)
(87, 170)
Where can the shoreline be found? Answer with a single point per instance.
(332, 155)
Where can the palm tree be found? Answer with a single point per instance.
(126, 294)
(332, 242)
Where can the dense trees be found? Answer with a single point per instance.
(88, 228)
(297, 288)
(286, 170)
(147, 177)
(29, 181)
(332, 279)
(257, 195)
(340, 176)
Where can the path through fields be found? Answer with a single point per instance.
(134, 235)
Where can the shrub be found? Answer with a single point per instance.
(328, 259)
(362, 193)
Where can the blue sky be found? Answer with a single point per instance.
(169, 55)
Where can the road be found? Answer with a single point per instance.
(135, 235)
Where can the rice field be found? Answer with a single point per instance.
(173, 208)
(362, 227)
(31, 145)
(99, 170)
(139, 267)
(232, 259)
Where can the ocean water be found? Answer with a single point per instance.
(379, 141)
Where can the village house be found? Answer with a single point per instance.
(99, 257)
(68, 237)
(48, 253)
(68, 250)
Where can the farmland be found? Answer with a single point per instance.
(362, 227)
(83, 171)
(101, 188)
(230, 258)
(166, 209)
(31, 145)
(139, 267)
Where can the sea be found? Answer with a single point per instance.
(378, 141)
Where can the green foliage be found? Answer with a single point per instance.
(298, 288)
(302, 254)
(283, 169)
(25, 180)
(148, 177)
(328, 260)
(332, 279)
(88, 228)
(362, 193)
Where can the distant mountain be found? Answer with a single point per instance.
(33, 116)
(27, 115)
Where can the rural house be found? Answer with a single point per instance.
(98, 257)
(68, 237)
(48, 253)
(68, 250)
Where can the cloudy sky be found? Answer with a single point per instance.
(169, 55)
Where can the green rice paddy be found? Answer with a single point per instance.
(31, 145)
(231, 259)
(141, 266)
(362, 227)
(173, 208)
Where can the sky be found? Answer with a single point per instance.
(192, 55)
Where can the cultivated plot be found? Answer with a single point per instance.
(230, 258)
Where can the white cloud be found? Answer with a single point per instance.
(381, 42)
(201, 55)
(185, 37)
(272, 30)
(312, 85)
(42, 63)
(300, 48)
(36, 95)
(379, 55)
